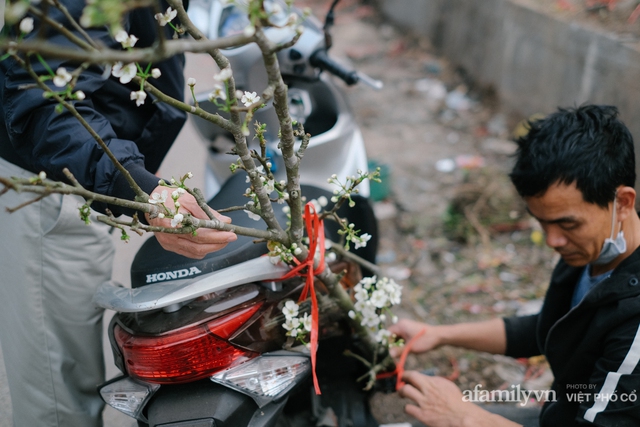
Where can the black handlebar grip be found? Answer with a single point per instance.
(321, 60)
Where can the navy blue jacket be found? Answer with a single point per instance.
(593, 348)
(39, 139)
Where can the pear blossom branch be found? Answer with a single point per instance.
(214, 51)
(287, 139)
(90, 46)
(45, 187)
(73, 22)
(108, 56)
(241, 148)
(27, 203)
(213, 118)
(140, 194)
(340, 250)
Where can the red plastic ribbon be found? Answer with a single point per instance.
(315, 232)
(403, 358)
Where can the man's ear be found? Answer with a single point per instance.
(626, 200)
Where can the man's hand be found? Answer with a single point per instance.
(488, 335)
(205, 241)
(438, 403)
(407, 329)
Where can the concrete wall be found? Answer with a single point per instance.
(534, 61)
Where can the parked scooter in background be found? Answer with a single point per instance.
(200, 342)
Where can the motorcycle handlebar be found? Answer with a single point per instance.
(321, 60)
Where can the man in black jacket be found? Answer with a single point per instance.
(575, 170)
(50, 332)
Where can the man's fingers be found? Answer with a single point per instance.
(410, 392)
(396, 352)
(187, 247)
(412, 410)
(209, 236)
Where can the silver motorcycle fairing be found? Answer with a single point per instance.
(173, 293)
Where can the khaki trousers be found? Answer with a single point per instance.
(51, 334)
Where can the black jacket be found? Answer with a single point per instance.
(593, 349)
(39, 139)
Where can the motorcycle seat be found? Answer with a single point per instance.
(153, 264)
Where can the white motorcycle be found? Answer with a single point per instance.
(200, 342)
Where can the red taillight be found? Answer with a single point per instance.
(187, 354)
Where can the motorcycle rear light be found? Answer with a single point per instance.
(265, 378)
(127, 396)
(187, 354)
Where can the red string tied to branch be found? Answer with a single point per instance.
(315, 232)
(399, 371)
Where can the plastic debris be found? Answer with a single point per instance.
(445, 165)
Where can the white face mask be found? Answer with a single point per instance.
(611, 249)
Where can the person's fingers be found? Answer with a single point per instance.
(189, 248)
(413, 410)
(408, 391)
(417, 380)
(209, 236)
(396, 351)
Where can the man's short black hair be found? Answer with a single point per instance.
(588, 145)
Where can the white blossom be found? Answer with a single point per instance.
(224, 75)
(352, 314)
(249, 30)
(361, 294)
(158, 198)
(361, 241)
(290, 309)
(218, 92)
(382, 336)
(189, 175)
(191, 82)
(253, 216)
(126, 40)
(368, 282)
(164, 18)
(62, 77)
(269, 186)
(379, 298)
(125, 73)
(249, 98)
(177, 193)
(160, 215)
(138, 96)
(156, 73)
(177, 219)
(42, 175)
(26, 25)
(292, 326)
(306, 322)
(80, 95)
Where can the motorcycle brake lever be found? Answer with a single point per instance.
(369, 81)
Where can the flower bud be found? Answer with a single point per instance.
(191, 82)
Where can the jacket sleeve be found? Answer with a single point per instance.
(521, 336)
(615, 381)
(49, 141)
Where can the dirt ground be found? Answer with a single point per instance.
(453, 231)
